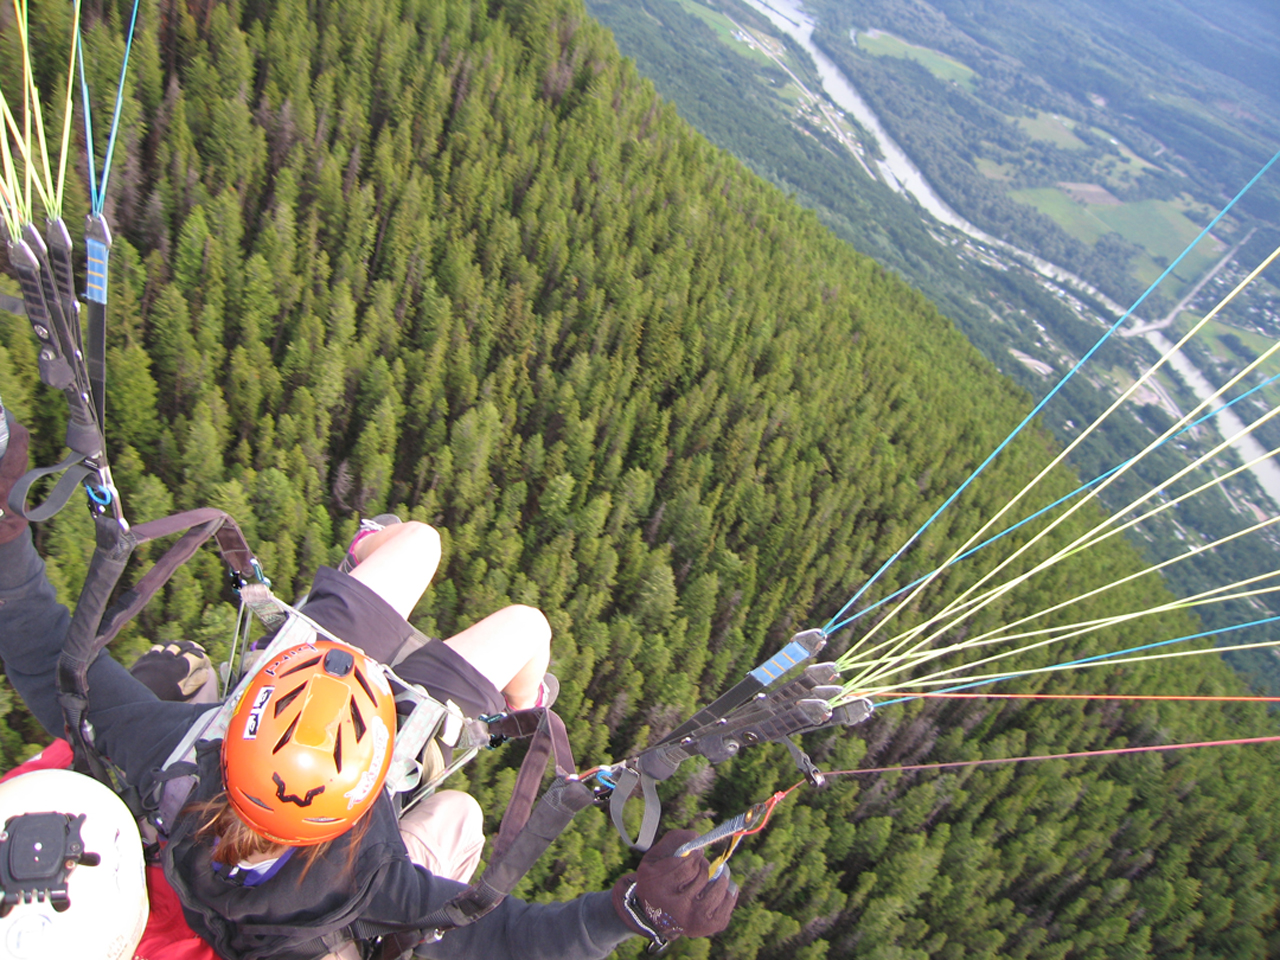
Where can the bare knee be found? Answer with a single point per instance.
(531, 624)
(423, 536)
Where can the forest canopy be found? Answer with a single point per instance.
(457, 260)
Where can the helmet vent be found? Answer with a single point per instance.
(288, 735)
(357, 721)
(364, 684)
(262, 804)
(301, 666)
(337, 750)
(288, 698)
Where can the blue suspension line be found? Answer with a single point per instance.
(1049, 396)
(98, 197)
(1093, 659)
(1043, 510)
(88, 125)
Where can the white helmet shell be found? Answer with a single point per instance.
(107, 908)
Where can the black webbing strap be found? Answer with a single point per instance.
(627, 781)
(13, 305)
(526, 830)
(93, 626)
(199, 525)
(75, 471)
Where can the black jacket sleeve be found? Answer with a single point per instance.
(131, 726)
(586, 928)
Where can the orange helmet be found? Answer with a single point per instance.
(308, 746)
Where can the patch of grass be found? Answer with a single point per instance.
(1136, 163)
(877, 43)
(1147, 271)
(992, 170)
(725, 30)
(1050, 127)
(1077, 219)
(1161, 228)
(1211, 335)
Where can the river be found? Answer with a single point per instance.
(895, 166)
(1267, 473)
(904, 176)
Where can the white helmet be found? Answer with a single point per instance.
(71, 869)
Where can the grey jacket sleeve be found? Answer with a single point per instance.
(587, 928)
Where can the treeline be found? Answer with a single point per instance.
(459, 261)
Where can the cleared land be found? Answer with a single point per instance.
(877, 43)
(1050, 127)
(1077, 219)
(1089, 193)
(727, 31)
(1159, 227)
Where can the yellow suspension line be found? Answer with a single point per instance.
(992, 678)
(68, 108)
(1083, 543)
(1062, 633)
(860, 682)
(1058, 459)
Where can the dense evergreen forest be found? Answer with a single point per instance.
(458, 260)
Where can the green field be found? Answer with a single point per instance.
(1050, 127)
(1210, 336)
(1157, 226)
(1079, 220)
(993, 170)
(724, 29)
(881, 44)
(1161, 228)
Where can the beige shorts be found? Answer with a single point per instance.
(445, 834)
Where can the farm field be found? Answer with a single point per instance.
(1159, 227)
(1050, 127)
(1077, 219)
(877, 43)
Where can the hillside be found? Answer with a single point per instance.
(460, 261)
(1011, 150)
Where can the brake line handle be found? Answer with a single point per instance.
(743, 821)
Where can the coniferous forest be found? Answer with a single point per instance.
(457, 260)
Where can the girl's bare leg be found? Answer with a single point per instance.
(512, 649)
(398, 562)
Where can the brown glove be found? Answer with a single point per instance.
(671, 896)
(177, 671)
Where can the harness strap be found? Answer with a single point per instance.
(526, 830)
(76, 470)
(625, 785)
(92, 629)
